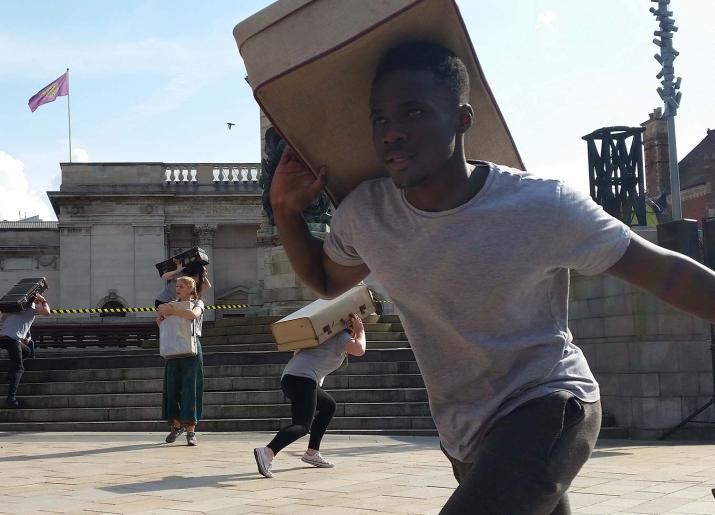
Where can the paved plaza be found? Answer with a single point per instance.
(137, 473)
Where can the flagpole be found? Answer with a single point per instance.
(69, 119)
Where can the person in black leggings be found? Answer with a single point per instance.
(312, 408)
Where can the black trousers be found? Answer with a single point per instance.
(306, 397)
(17, 352)
(528, 459)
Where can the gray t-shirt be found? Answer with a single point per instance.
(17, 325)
(483, 289)
(317, 362)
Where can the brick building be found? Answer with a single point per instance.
(697, 171)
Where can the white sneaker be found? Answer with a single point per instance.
(263, 461)
(317, 460)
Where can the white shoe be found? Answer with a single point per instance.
(317, 460)
(263, 461)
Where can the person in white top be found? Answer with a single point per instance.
(312, 408)
(184, 377)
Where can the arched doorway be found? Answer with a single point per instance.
(113, 304)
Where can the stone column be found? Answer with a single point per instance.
(204, 234)
(283, 291)
(75, 284)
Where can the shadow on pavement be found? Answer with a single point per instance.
(182, 482)
(84, 452)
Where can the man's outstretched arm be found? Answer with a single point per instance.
(293, 188)
(674, 278)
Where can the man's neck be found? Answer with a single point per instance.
(454, 185)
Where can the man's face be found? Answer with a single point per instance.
(414, 122)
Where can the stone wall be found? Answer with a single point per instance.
(30, 253)
(652, 362)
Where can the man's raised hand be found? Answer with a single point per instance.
(294, 185)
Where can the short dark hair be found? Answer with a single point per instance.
(425, 55)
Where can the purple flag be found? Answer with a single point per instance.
(59, 87)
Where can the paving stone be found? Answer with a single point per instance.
(696, 508)
(130, 473)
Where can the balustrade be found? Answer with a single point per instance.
(220, 174)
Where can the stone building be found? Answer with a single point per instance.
(116, 220)
(29, 248)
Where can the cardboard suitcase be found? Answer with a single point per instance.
(320, 320)
(311, 63)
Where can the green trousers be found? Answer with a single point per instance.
(184, 388)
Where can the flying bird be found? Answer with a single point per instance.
(230, 125)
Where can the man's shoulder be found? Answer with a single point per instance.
(525, 184)
(516, 175)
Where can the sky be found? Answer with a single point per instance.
(157, 80)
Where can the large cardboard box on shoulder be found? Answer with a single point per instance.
(311, 64)
(321, 319)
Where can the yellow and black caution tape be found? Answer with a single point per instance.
(76, 311)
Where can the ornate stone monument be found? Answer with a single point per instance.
(283, 291)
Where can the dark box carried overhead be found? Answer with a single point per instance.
(193, 255)
(22, 294)
(310, 64)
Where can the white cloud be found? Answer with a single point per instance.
(546, 18)
(17, 195)
(80, 155)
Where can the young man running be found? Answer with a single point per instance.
(514, 401)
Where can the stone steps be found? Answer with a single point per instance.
(219, 398)
(87, 389)
(213, 384)
(261, 370)
(120, 389)
(118, 359)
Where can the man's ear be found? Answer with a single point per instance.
(465, 118)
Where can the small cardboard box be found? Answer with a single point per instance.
(313, 324)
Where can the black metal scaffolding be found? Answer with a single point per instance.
(615, 167)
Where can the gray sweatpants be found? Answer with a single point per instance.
(527, 460)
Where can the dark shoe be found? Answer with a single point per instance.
(191, 438)
(13, 403)
(173, 434)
